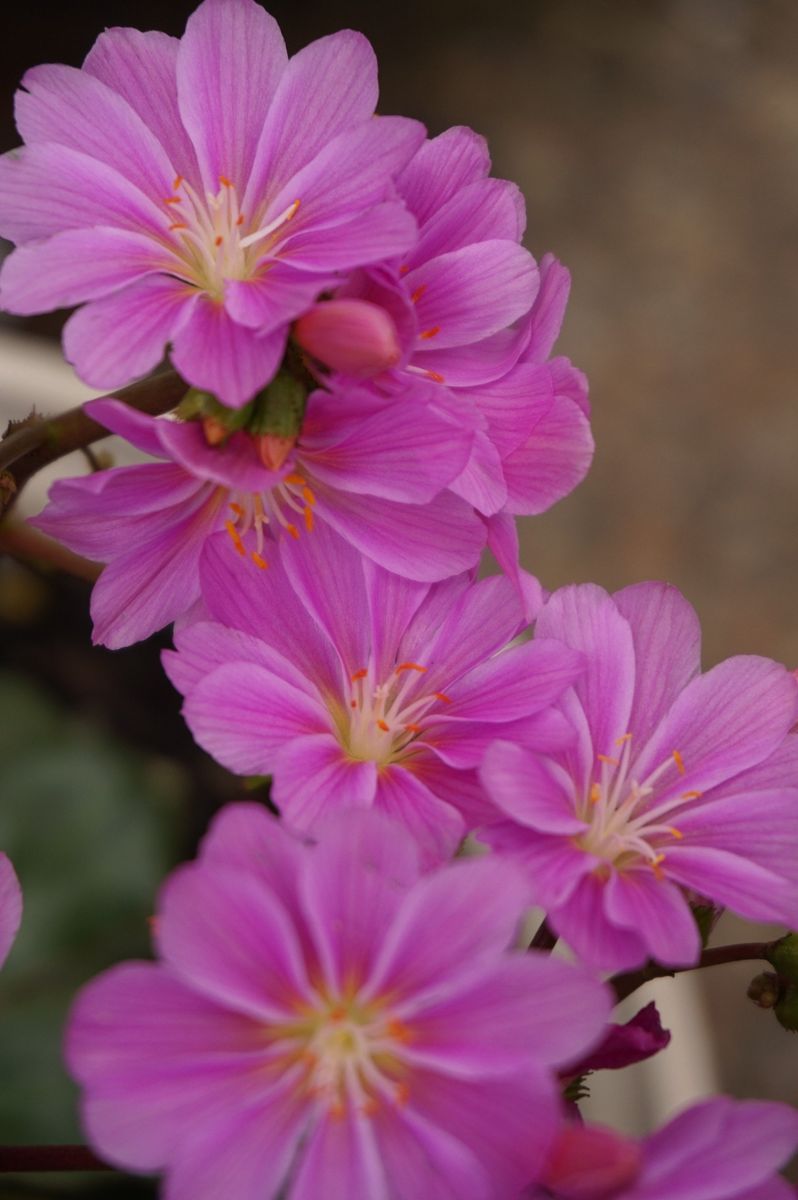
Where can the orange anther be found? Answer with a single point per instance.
(178, 225)
(259, 562)
(293, 211)
(361, 674)
(217, 241)
(430, 333)
(605, 758)
(413, 728)
(337, 1013)
(371, 1107)
(309, 520)
(224, 181)
(595, 794)
(308, 496)
(237, 509)
(691, 795)
(442, 696)
(677, 833)
(353, 703)
(404, 269)
(398, 1030)
(294, 532)
(337, 1111)
(177, 182)
(418, 293)
(384, 727)
(625, 737)
(294, 478)
(410, 666)
(402, 1094)
(677, 758)
(235, 537)
(240, 219)
(172, 200)
(435, 376)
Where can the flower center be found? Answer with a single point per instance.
(213, 240)
(278, 508)
(625, 825)
(351, 1054)
(385, 718)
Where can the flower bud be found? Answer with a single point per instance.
(273, 450)
(589, 1162)
(783, 957)
(765, 989)
(354, 337)
(787, 1009)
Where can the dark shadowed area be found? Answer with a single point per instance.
(657, 146)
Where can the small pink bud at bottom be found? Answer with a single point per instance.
(273, 450)
(588, 1162)
(352, 336)
(215, 432)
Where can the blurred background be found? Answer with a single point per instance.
(657, 145)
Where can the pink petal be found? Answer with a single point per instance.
(423, 542)
(230, 61)
(502, 536)
(552, 462)
(229, 360)
(140, 430)
(516, 683)
(314, 776)
(355, 337)
(269, 301)
(667, 638)
(757, 823)
(378, 234)
(10, 907)
(341, 1161)
(582, 922)
(421, 1159)
(122, 337)
(514, 405)
(473, 292)
(586, 618)
(205, 645)
(76, 265)
(260, 972)
(142, 67)
(723, 722)
(734, 881)
(327, 88)
(548, 310)
(242, 714)
(656, 912)
(475, 364)
(482, 210)
(481, 482)
(351, 888)
(553, 866)
(49, 188)
(236, 466)
(440, 168)
(62, 104)
(245, 837)
(530, 790)
(431, 947)
(436, 827)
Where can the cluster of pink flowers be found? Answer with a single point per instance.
(339, 1008)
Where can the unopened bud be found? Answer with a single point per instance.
(589, 1162)
(215, 432)
(272, 450)
(783, 957)
(765, 989)
(355, 337)
(787, 1009)
(279, 409)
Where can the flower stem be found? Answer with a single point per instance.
(625, 985)
(49, 1158)
(40, 441)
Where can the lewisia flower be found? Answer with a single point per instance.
(720, 1149)
(351, 686)
(373, 470)
(200, 192)
(10, 907)
(676, 780)
(325, 1022)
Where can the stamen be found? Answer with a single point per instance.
(384, 727)
(353, 703)
(309, 520)
(402, 1094)
(172, 200)
(308, 495)
(294, 532)
(413, 728)
(625, 737)
(235, 537)
(605, 758)
(259, 562)
(435, 376)
(237, 509)
(404, 269)
(217, 241)
(418, 293)
(295, 478)
(409, 666)
(224, 181)
(361, 674)
(595, 793)
(691, 795)
(677, 833)
(677, 758)
(177, 182)
(398, 1030)
(430, 333)
(442, 696)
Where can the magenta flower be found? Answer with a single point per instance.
(351, 686)
(10, 907)
(622, 1045)
(676, 781)
(325, 1022)
(200, 192)
(374, 471)
(720, 1149)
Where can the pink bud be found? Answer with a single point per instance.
(589, 1162)
(273, 450)
(352, 336)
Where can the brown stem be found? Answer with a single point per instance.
(624, 985)
(50, 1158)
(27, 450)
(29, 546)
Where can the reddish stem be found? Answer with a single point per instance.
(49, 1158)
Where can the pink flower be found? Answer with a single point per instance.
(720, 1149)
(10, 907)
(351, 686)
(638, 1039)
(677, 780)
(200, 192)
(325, 1022)
(374, 471)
